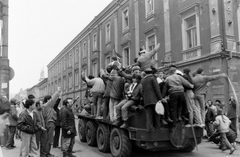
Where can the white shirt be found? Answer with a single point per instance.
(30, 113)
(132, 86)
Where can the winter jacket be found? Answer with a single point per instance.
(67, 121)
(49, 114)
(28, 124)
(222, 123)
(57, 111)
(150, 90)
(200, 82)
(232, 110)
(117, 87)
(176, 83)
(137, 93)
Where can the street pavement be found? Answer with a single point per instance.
(205, 149)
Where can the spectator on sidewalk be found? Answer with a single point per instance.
(4, 113)
(28, 124)
(232, 114)
(50, 117)
(41, 134)
(19, 110)
(68, 128)
(13, 118)
(57, 124)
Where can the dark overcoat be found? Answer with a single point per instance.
(150, 90)
(67, 120)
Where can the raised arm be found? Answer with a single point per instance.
(52, 101)
(214, 77)
(153, 52)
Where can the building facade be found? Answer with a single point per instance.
(192, 33)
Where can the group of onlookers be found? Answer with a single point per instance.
(38, 125)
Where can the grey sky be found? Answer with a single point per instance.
(40, 29)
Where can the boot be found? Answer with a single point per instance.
(65, 154)
(125, 125)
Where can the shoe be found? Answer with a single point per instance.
(99, 117)
(185, 118)
(187, 125)
(13, 146)
(124, 126)
(197, 125)
(179, 119)
(224, 148)
(8, 148)
(118, 122)
(164, 122)
(232, 150)
(169, 120)
(202, 125)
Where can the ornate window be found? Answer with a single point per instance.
(108, 32)
(125, 20)
(126, 56)
(149, 8)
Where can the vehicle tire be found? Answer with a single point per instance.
(81, 130)
(103, 138)
(189, 148)
(120, 144)
(91, 129)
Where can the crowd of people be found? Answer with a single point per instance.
(117, 89)
(183, 96)
(37, 124)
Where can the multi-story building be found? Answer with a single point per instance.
(192, 33)
(43, 88)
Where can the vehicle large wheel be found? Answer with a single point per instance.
(91, 129)
(120, 144)
(81, 130)
(189, 148)
(103, 138)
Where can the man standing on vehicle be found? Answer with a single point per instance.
(200, 82)
(68, 128)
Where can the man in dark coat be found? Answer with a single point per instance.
(57, 124)
(232, 114)
(68, 127)
(151, 95)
